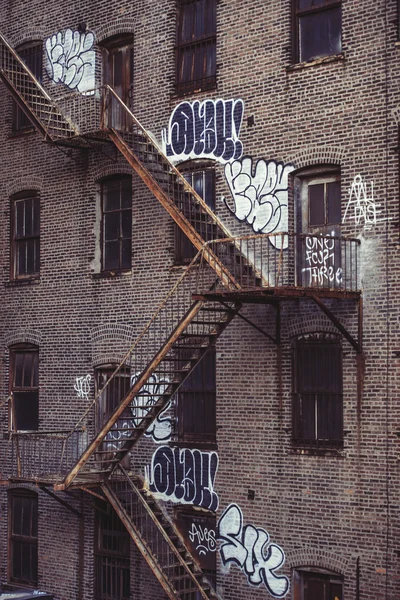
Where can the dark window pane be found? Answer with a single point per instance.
(126, 217)
(333, 202)
(316, 204)
(111, 255)
(320, 34)
(118, 68)
(111, 197)
(126, 254)
(20, 218)
(111, 226)
(27, 410)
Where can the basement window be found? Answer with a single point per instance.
(317, 29)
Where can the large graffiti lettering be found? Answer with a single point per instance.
(208, 129)
(82, 386)
(160, 430)
(249, 547)
(71, 59)
(260, 195)
(184, 475)
(320, 261)
(361, 206)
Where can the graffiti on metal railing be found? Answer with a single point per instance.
(208, 129)
(260, 195)
(161, 428)
(184, 475)
(320, 261)
(82, 386)
(71, 59)
(249, 547)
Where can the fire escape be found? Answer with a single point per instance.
(226, 273)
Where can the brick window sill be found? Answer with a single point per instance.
(111, 274)
(336, 452)
(318, 61)
(22, 133)
(18, 282)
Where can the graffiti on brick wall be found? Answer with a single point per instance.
(71, 59)
(184, 475)
(260, 195)
(82, 386)
(203, 538)
(249, 548)
(320, 260)
(361, 206)
(160, 430)
(208, 129)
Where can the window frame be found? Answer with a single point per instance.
(107, 405)
(330, 345)
(184, 250)
(20, 122)
(190, 395)
(331, 578)
(23, 241)
(185, 47)
(18, 538)
(297, 14)
(103, 183)
(15, 390)
(118, 560)
(115, 116)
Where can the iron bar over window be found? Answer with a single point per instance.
(196, 46)
(318, 397)
(116, 201)
(23, 536)
(317, 29)
(25, 235)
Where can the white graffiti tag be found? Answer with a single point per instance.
(71, 59)
(320, 261)
(82, 386)
(160, 430)
(249, 548)
(208, 129)
(203, 538)
(260, 195)
(361, 207)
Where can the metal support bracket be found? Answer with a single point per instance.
(61, 501)
(357, 344)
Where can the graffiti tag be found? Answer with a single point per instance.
(71, 59)
(208, 129)
(184, 475)
(82, 386)
(203, 538)
(361, 207)
(249, 548)
(320, 258)
(260, 195)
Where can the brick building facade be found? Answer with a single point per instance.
(199, 320)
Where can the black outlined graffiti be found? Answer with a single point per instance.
(208, 129)
(202, 538)
(184, 475)
(71, 59)
(161, 428)
(249, 548)
(320, 261)
(260, 195)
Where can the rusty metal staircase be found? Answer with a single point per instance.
(157, 538)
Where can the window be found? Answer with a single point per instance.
(31, 54)
(112, 554)
(202, 181)
(118, 74)
(115, 391)
(24, 378)
(196, 401)
(196, 45)
(116, 202)
(317, 29)
(23, 536)
(318, 397)
(25, 235)
(317, 585)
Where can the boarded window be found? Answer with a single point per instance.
(31, 54)
(24, 376)
(196, 45)
(317, 29)
(318, 396)
(116, 201)
(318, 585)
(112, 556)
(25, 235)
(196, 402)
(203, 182)
(23, 537)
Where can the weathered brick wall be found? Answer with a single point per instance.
(325, 511)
